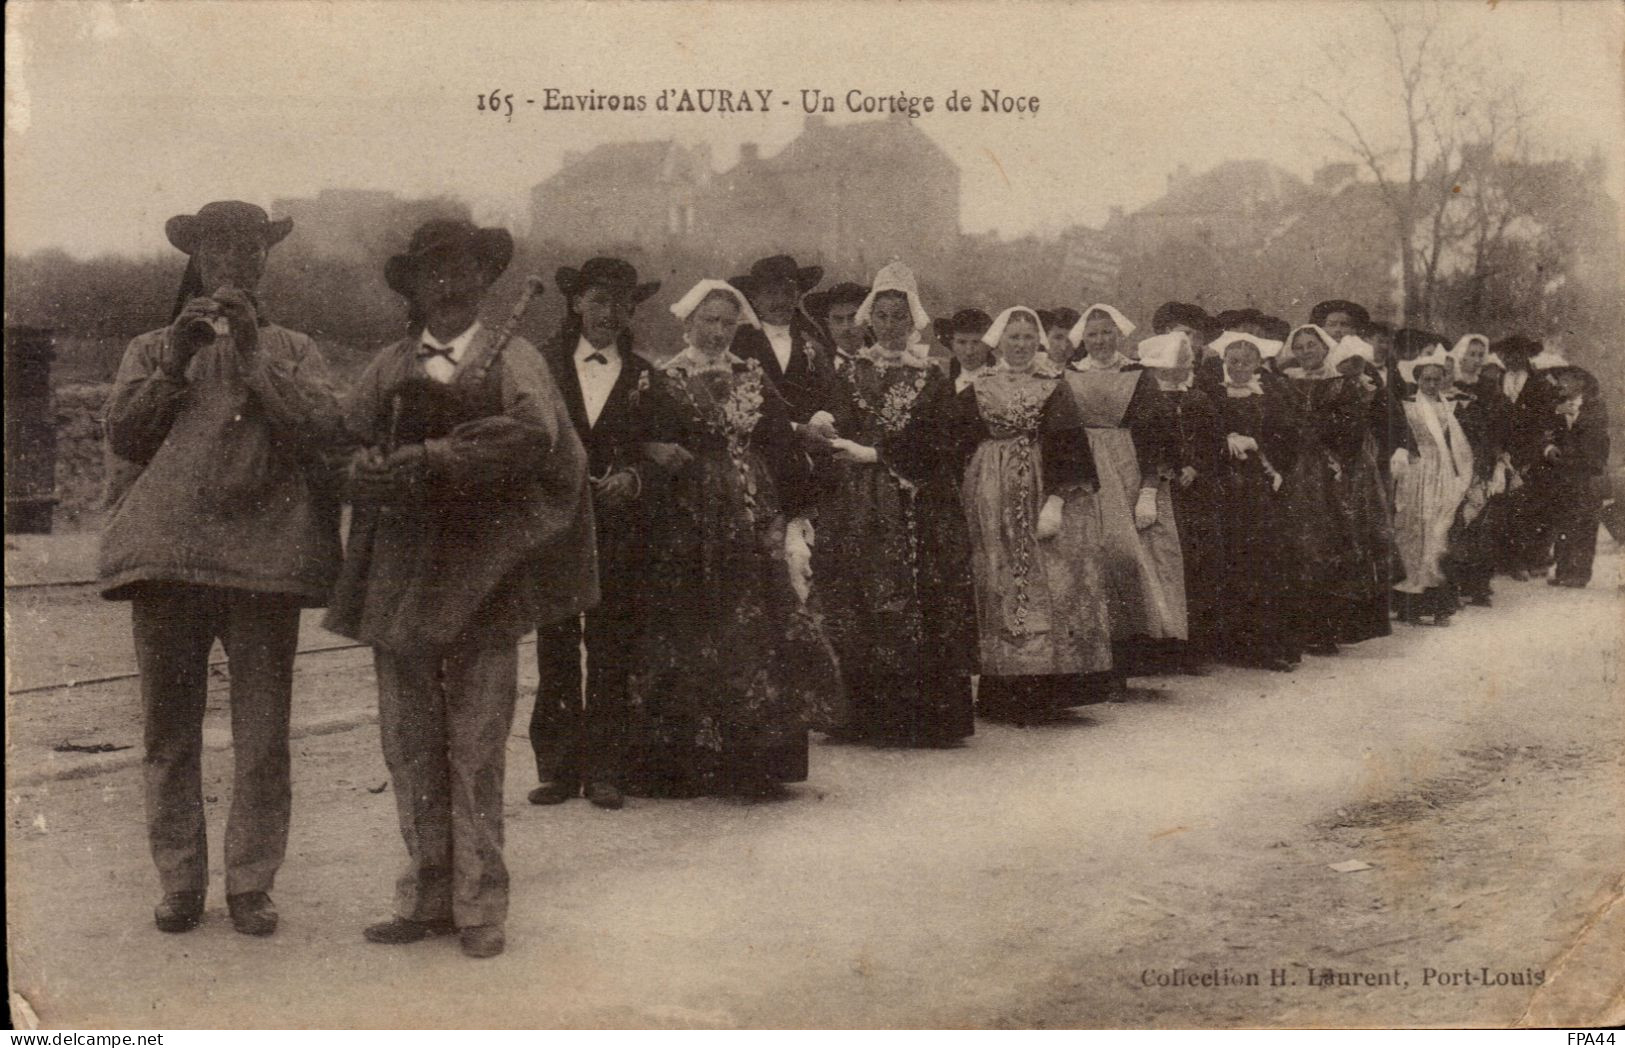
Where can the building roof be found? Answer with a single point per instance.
(635, 161)
(1228, 187)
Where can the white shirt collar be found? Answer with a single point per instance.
(776, 330)
(457, 346)
(585, 349)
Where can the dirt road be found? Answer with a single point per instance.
(1086, 874)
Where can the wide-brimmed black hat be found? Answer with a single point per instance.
(972, 322)
(1412, 341)
(1521, 344)
(1181, 314)
(1590, 380)
(612, 273)
(1356, 312)
(1236, 319)
(1060, 316)
(819, 302)
(493, 247)
(779, 269)
(186, 232)
(1273, 328)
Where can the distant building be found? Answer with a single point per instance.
(1090, 263)
(1225, 207)
(360, 225)
(850, 197)
(626, 194)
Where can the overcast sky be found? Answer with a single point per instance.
(120, 115)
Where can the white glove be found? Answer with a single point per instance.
(1239, 445)
(798, 555)
(1145, 508)
(1498, 480)
(1049, 518)
(823, 424)
(803, 526)
(850, 451)
(1399, 462)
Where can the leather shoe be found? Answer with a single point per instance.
(605, 795)
(252, 913)
(481, 940)
(178, 912)
(554, 791)
(398, 931)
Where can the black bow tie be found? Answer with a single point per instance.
(596, 358)
(426, 352)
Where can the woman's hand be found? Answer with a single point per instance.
(850, 451)
(1049, 518)
(617, 490)
(798, 556)
(670, 457)
(1145, 508)
(1239, 444)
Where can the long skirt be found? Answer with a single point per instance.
(890, 566)
(1256, 598)
(1196, 512)
(1344, 543)
(1041, 610)
(1143, 571)
(728, 667)
(1426, 497)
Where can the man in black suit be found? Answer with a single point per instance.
(1526, 547)
(788, 345)
(578, 739)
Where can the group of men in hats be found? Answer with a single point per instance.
(472, 525)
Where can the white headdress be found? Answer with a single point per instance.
(996, 331)
(1320, 333)
(1548, 357)
(895, 276)
(1459, 350)
(1124, 324)
(683, 307)
(1163, 351)
(1350, 347)
(1266, 347)
(1435, 354)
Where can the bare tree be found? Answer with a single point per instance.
(1437, 126)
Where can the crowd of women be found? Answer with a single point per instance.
(1065, 505)
(796, 521)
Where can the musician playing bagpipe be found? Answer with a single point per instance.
(472, 524)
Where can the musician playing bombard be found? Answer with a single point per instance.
(224, 526)
(472, 525)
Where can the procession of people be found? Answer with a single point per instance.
(823, 512)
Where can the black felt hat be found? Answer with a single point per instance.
(493, 247)
(612, 273)
(236, 217)
(779, 269)
(819, 302)
(1356, 312)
